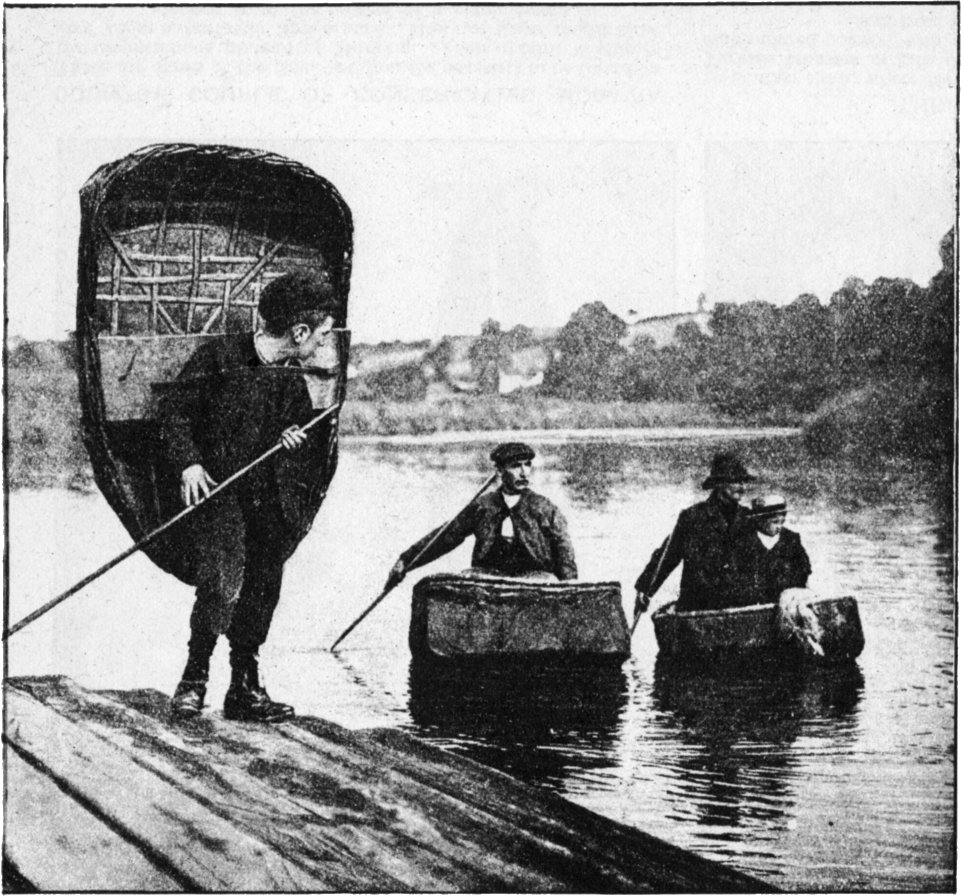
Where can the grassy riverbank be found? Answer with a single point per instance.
(44, 447)
(42, 435)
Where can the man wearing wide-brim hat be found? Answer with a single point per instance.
(703, 539)
(517, 531)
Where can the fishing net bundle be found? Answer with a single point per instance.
(798, 622)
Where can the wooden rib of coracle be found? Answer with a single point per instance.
(189, 290)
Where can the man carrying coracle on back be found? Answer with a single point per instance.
(703, 539)
(236, 398)
(517, 532)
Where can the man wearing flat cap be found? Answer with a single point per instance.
(236, 397)
(703, 539)
(517, 532)
(770, 558)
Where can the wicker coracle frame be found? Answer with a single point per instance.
(177, 242)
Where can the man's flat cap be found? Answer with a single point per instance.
(511, 452)
(286, 298)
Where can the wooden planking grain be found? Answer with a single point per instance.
(379, 810)
(386, 833)
(425, 836)
(68, 837)
(208, 762)
(405, 830)
(192, 843)
(470, 827)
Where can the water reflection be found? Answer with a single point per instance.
(940, 493)
(427, 457)
(592, 471)
(543, 724)
(848, 486)
(735, 726)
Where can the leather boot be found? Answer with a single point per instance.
(247, 699)
(188, 698)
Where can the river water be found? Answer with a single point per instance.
(819, 780)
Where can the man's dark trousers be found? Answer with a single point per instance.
(239, 554)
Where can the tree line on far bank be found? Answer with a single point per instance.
(873, 369)
(874, 366)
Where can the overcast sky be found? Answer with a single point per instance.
(515, 162)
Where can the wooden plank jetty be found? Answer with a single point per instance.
(105, 792)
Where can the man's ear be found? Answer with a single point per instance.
(299, 332)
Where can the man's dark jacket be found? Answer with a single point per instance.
(539, 527)
(703, 539)
(226, 408)
(761, 574)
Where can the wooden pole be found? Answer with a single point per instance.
(419, 554)
(147, 539)
(657, 572)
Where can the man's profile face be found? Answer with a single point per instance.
(319, 348)
(772, 525)
(515, 476)
(731, 492)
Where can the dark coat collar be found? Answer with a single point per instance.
(718, 515)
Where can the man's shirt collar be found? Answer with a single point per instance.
(769, 540)
(511, 500)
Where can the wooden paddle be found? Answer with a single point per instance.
(36, 614)
(657, 572)
(419, 554)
